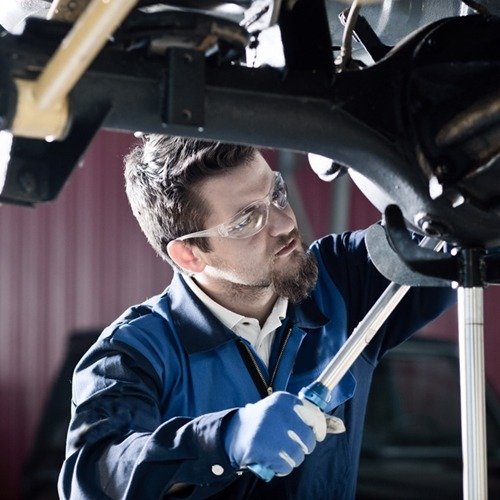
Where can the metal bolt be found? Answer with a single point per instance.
(430, 226)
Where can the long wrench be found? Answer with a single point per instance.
(319, 391)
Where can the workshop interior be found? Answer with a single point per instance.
(397, 102)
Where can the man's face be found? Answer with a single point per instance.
(274, 258)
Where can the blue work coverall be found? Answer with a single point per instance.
(152, 396)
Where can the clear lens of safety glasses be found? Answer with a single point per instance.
(253, 218)
(247, 222)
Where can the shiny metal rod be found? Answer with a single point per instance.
(366, 329)
(362, 335)
(472, 392)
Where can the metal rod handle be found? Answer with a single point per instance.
(367, 328)
(362, 335)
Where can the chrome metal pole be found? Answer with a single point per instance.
(472, 392)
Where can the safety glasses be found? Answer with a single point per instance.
(251, 219)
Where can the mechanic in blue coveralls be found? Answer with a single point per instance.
(183, 392)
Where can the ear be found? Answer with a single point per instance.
(185, 256)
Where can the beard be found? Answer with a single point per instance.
(294, 279)
(296, 282)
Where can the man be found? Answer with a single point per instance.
(185, 392)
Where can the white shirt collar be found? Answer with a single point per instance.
(228, 318)
(248, 328)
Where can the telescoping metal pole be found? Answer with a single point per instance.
(472, 381)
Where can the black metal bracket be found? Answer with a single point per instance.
(184, 86)
(37, 169)
(469, 267)
(422, 260)
(391, 265)
(306, 37)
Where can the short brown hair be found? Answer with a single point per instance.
(161, 175)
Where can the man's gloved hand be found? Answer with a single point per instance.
(276, 432)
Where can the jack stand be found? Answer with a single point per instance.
(472, 268)
(472, 377)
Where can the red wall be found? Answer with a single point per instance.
(75, 263)
(78, 262)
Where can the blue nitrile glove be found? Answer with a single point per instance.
(276, 432)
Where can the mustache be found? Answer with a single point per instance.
(285, 239)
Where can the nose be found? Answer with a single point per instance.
(281, 220)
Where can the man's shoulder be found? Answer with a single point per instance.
(335, 252)
(145, 320)
(347, 242)
(343, 264)
(143, 332)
